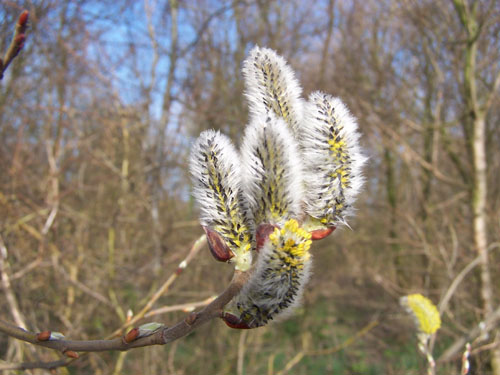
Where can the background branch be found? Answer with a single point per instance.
(17, 43)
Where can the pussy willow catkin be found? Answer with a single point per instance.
(276, 286)
(271, 87)
(295, 179)
(332, 159)
(272, 171)
(216, 176)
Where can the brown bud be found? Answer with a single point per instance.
(71, 354)
(262, 234)
(131, 335)
(319, 234)
(191, 318)
(234, 322)
(43, 336)
(217, 246)
(23, 18)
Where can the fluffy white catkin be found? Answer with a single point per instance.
(272, 171)
(277, 284)
(271, 86)
(332, 159)
(216, 177)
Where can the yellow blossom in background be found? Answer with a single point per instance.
(424, 311)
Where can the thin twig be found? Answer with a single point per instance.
(17, 42)
(84, 288)
(186, 307)
(362, 332)
(9, 294)
(241, 352)
(489, 323)
(197, 246)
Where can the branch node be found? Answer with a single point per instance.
(191, 318)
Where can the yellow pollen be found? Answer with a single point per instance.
(424, 311)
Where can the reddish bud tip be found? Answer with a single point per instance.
(233, 321)
(43, 336)
(217, 246)
(191, 318)
(71, 354)
(131, 335)
(23, 18)
(19, 40)
(262, 234)
(319, 234)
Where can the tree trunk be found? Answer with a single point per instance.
(479, 197)
(476, 118)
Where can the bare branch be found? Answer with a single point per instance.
(163, 335)
(486, 325)
(459, 278)
(5, 279)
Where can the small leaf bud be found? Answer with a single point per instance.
(131, 335)
(218, 246)
(23, 18)
(56, 336)
(149, 328)
(319, 234)
(43, 336)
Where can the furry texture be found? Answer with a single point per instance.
(276, 286)
(272, 173)
(271, 86)
(332, 160)
(423, 311)
(296, 161)
(216, 176)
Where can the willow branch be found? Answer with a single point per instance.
(134, 338)
(163, 335)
